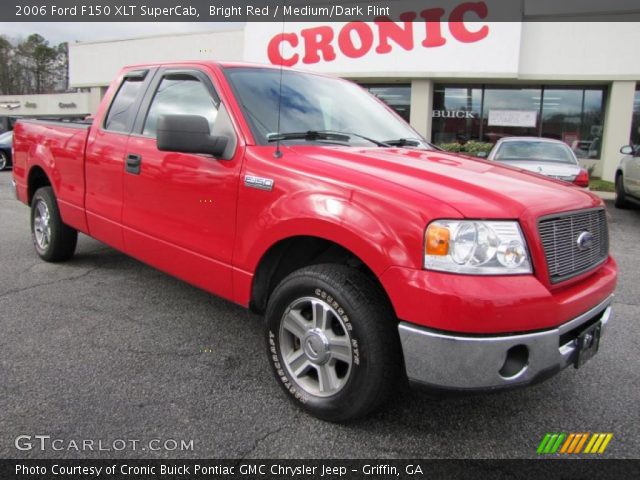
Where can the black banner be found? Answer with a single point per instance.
(318, 469)
(315, 10)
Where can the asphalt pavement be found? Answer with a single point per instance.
(105, 349)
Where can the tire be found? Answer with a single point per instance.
(54, 241)
(621, 197)
(348, 365)
(4, 160)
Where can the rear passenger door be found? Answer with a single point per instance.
(179, 208)
(105, 155)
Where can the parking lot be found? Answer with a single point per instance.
(104, 348)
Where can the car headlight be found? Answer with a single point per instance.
(476, 247)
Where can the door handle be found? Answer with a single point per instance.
(133, 162)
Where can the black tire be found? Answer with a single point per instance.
(359, 304)
(62, 239)
(4, 160)
(621, 197)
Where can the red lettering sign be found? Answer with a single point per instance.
(357, 39)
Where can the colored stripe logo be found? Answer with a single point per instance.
(573, 443)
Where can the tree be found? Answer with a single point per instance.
(33, 66)
(38, 59)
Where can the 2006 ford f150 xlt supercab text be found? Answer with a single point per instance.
(374, 256)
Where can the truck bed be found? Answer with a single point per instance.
(57, 147)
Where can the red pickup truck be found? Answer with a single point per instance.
(374, 256)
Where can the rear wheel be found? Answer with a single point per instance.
(54, 241)
(4, 160)
(621, 197)
(333, 342)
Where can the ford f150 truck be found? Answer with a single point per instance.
(375, 257)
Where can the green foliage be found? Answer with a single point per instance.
(472, 147)
(600, 185)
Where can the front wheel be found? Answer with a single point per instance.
(54, 241)
(4, 160)
(333, 342)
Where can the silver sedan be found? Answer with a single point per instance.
(545, 156)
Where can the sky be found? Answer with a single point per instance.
(58, 32)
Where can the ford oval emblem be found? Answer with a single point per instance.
(585, 241)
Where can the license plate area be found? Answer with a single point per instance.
(587, 344)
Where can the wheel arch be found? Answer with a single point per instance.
(36, 179)
(292, 253)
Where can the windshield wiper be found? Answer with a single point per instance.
(404, 142)
(312, 135)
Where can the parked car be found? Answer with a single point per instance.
(546, 156)
(628, 177)
(581, 148)
(6, 140)
(372, 260)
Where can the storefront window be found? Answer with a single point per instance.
(510, 112)
(456, 114)
(635, 123)
(398, 97)
(575, 117)
(488, 113)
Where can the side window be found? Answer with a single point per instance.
(183, 95)
(121, 113)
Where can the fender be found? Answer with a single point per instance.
(69, 145)
(342, 221)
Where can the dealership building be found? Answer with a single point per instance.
(454, 82)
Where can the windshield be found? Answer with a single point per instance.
(6, 138)
(532, 150)
(314, 103)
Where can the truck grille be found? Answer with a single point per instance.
(568, 249)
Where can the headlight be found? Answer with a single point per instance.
(476, 247)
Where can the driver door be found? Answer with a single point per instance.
(180, 209)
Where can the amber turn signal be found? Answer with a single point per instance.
(437, 241)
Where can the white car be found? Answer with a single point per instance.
(545, 156)
(628, 177)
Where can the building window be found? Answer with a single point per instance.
(487, 113)
(574, 116)
(457, 113)
(510, 111)
(398, 97)
(635, 123)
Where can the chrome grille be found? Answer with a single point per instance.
(559, 235)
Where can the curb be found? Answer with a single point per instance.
(605, 195)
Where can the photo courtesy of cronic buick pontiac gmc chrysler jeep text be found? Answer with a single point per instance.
(374, 257)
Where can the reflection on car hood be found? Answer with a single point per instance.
(550, 169)
(476, 188)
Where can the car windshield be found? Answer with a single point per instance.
(315, 104)
(6, 138)
(532, 150)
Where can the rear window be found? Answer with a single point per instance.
(122, 112)
(528, 150)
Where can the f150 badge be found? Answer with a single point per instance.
(260, 183)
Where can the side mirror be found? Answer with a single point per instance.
(482, 154)
(627, 150)
(188, 134)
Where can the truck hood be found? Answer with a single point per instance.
(475, 188)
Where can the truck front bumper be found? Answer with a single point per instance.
(485, 362)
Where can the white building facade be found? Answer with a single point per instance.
(454, 82)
